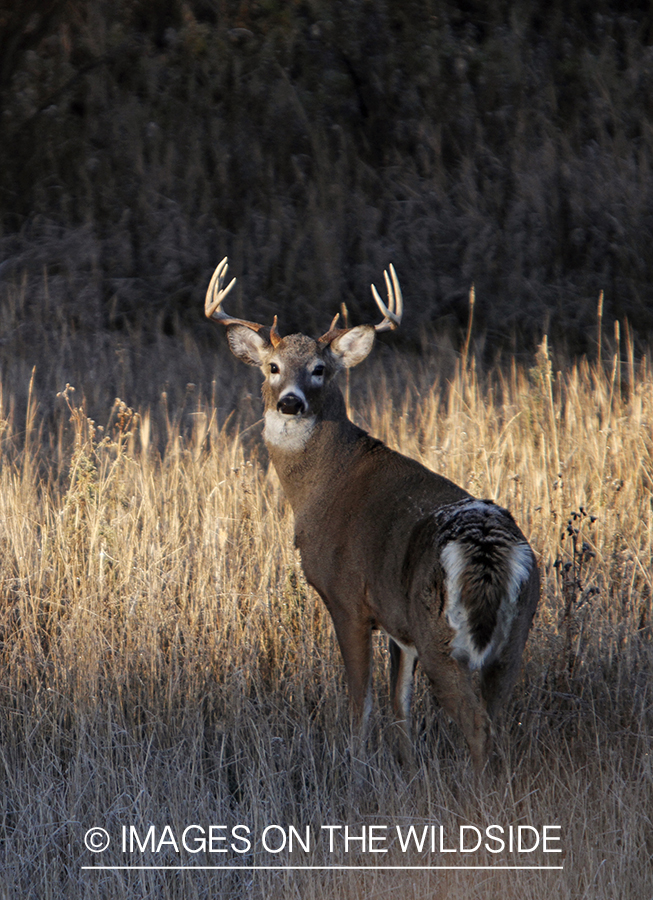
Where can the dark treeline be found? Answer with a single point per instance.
(505, 144)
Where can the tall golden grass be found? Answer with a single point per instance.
(162, 660)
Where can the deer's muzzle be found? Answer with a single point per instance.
(291, 405)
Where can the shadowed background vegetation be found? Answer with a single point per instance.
(505, 144)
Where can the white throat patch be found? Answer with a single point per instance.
(289, 433)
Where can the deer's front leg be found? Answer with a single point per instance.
(354, 633)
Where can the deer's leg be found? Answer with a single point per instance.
(402, 669)
(499, 677)
(354, 635)
(454, 691)
(497, 681)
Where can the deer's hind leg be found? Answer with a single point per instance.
(454, 691)
(499, 676)
(403, 660)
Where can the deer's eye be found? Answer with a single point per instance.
(274, 369)
(318, 371)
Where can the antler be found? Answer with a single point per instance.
(393, 312)
(215, 294)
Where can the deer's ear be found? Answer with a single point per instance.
(248, 345)
(352, 346)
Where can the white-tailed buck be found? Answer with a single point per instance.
(385, 542)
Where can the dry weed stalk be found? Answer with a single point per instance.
(161, 657)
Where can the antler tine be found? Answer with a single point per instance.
(216, 293)
(393, 312)
(332, 332)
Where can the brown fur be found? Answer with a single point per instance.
(371, 526)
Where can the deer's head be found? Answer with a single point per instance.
(299, 372)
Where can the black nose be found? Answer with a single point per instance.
(291, 405)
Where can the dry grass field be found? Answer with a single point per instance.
(164, 668)
(163, 662)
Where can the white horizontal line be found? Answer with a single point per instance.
(311, 868)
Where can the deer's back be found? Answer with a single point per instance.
(354, 538)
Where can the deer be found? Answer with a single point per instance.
(387, 543)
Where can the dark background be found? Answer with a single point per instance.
(505, 144)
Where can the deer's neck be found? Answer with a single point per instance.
(309, 469)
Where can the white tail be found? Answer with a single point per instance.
(384, 541)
